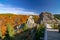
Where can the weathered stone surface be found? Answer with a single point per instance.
(46, 17)
(30, 22)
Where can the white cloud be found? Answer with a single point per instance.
(9, 9)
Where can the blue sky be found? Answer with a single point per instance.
(29, 6)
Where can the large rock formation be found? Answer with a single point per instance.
(48, 18)
(30, 22)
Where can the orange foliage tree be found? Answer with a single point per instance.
(13, 20)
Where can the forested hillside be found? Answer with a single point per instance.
(14, 20)
(57, 16)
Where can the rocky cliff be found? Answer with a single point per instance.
(46, 17)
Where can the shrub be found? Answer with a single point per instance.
(10, 32)
(0, 33)
(24, 27)
(55, 26)
(40, 31)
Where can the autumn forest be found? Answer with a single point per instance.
(13, 20)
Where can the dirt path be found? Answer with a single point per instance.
(52, 34)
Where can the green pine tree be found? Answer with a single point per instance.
(0, 34)
(40, 31)
(10, 30)
(10, 33)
